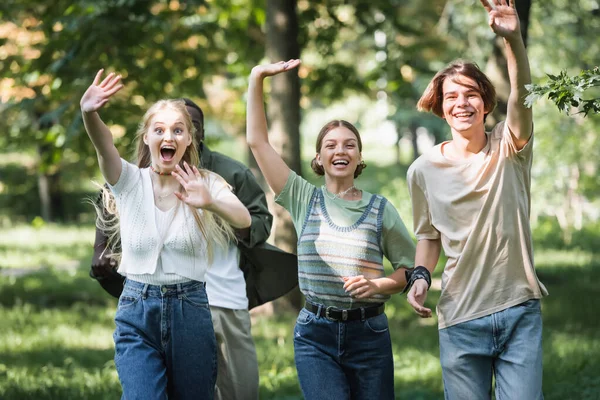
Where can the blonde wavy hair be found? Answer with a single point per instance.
(214, 230)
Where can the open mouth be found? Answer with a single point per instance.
(463, 115)
(340, 162)
(167, 153)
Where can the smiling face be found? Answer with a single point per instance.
(339, 154)
(463, 105)
(167, 139)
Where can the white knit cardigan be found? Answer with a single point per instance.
(140, 241)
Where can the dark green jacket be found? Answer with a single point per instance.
(269, 271)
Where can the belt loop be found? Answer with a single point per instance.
(145, 291)
(179, 291)
(319, 311)
(362, 314)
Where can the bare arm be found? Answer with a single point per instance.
(274, 169)
(94, 98)
(361, 287)
(428, 253)
(504, 21)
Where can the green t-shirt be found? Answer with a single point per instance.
(396, 243)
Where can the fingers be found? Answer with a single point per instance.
(486, 5)
(416, 298)
(107, 79)
(196, 172)
(112, 83)
(98, 76)
(113, 90)
(353, 282)
(291, 64)
(181, 173)
(189, 170)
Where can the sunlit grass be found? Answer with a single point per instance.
(56, 332)
(26, 247)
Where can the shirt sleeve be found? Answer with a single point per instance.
(507, 140)
(130, 176)
(295, 198)
(398, 247)
(424, 229)
(218, 187)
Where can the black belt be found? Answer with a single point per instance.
(337, 314)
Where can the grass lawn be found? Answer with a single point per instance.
(57, 323)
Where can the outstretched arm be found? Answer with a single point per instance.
(504, 21)
(271, 164)
(94, 98)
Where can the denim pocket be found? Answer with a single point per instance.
(196, 298)
(378, 324)
(128, 298)
(305, 317)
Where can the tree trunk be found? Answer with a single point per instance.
(283, 112)
(496, 68)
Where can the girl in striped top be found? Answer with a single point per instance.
(341, 339)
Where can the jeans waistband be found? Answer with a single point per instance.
(176, 289)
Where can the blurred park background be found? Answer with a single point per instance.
(364, 61)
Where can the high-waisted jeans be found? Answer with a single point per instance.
(164, 342)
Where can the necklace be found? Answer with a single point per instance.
(158, 172)
(166, 195)
(158, 196)
(340, 194)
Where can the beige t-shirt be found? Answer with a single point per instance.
(480, 209)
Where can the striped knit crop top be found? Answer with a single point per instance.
(327, 253)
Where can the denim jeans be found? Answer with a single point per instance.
(344, 360)
(164, 342)
(507, 344)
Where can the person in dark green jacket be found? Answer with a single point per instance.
(265, 272)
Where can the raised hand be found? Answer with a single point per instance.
(503, 18)
(99, 93)
(263, 71)
(197, 193)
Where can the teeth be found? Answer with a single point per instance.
(337, 162)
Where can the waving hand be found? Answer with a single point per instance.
(99, 93)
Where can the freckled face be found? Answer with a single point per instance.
(462, 104)
(167, 138)
(339, 154)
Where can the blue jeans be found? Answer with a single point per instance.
(507, 344)
(343, 360)
(164, 342)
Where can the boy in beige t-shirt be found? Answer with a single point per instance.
(471, 195)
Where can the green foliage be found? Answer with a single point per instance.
(567, 91)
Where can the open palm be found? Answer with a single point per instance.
(196, 192)
(503, 18)
(276, 68)
(98, 94)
